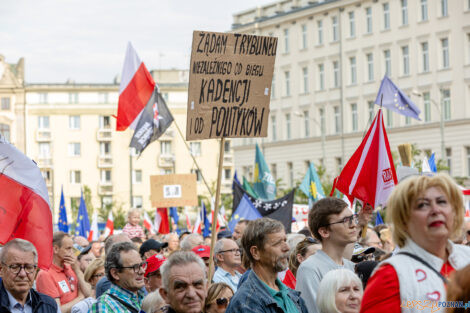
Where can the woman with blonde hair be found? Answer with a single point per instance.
(218, 298)
(426, 213)
(301, 252)
(93, 273)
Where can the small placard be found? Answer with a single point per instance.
(172, 191)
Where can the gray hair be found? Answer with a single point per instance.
(122, 237)
(179, 258)
(113, 258)
(219, 246)
(191, 241)
(329, 286)
(152, 302)
(19, 244)
(255, 234)
(293, 240)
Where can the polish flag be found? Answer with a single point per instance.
(24, 203)
(188, 222)
(94, 233)
(197, 224)
(161, 221)
(148, 223)
(136, 87)
(109, 229)
(370, 174)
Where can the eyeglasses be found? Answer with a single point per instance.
(136, 267)
(349, 220)
(222, 302)
(16, 268)
(232, 250)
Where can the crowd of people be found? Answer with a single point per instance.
(417, 262)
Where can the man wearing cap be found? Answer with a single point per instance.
(151, 247)
(228, 258)
(361, 253)
(153, 277)
(85, 257)
(204, 252)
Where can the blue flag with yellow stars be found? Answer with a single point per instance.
(311, 185)
(83, 223)
(62, 224)
(264, 184)
(245, 211)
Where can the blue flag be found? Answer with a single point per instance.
(175, 217)
(311, 185)
(235, 178)
(207, 224)
(396, 100)
(432, 163)
(62, 224)
(264, 184)
(378, 219)
(245, 211)
(83, 223)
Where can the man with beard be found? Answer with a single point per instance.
(265, 244)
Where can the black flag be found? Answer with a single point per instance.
(153, 122)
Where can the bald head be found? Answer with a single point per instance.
(122, 237)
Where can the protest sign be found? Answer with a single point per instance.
(173, 190)
(229, 85)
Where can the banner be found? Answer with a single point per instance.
(173, 190)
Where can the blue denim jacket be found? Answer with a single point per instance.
(253, 297)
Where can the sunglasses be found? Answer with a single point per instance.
(222, 302)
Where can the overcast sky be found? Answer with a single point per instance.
(85, 40)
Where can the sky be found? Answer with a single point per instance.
(85, 40)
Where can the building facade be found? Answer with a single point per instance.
(331, 58)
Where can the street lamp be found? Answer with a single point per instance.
(441, 113)
(322, 131)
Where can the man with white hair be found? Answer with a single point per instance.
(228, 258)
(191, 241)
(184, 282)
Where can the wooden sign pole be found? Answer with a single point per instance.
(215, 214)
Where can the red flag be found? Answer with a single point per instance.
(197, 224)
(148, 223)
(135, 90)
(161, 221)
(370, 174)
(24, 203)
(109, 229)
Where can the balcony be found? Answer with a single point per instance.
(166, 160)
(105, 161)
(105, 188)
(43, 135)
(104, 134)
(44, 161)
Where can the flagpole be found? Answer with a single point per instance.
(192, 156)
(216, 209)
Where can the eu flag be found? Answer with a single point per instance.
(264, 184)
(245, 211)
(175, 217)
(63, 224)
(396, 100)
(207, 224)
(83, 223)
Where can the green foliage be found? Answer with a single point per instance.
(120, 216)
(87, 198)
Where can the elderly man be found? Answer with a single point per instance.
(191, 241)
(184, 283)
(18, 268)
(265, 244)
(64, 280)
(173, 243)
(228, 258)
(125, 270)
(153, 276)
(81, 241)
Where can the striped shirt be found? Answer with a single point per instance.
(106, 303)
(133, 231)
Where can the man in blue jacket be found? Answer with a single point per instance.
(265, 243)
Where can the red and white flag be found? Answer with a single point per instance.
(370, 174)
(188, 222)
(136, 87)
(94, 233)
(109, 229)
(162, 224)
(148, 223)
(24, 203)
(197, 224)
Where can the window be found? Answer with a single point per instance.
(273, 128)
(105, 149)
(5, 104)
(386, 9)
(286, 40)
(75, 177)
(198, 174)
(136, 176)
(74, 122)
(352, 25)
(389, 118)
(103, 97)
(424, 10)
(195, 148)
(288, 133)
(44, 150)
(5, 131)
(404, 12)
(105, 176)
(320, 32)
(445, 52)
(339, 164)
(227, 174)
(406, 60)
(305, 79)
(306, 124)
(290, 173)
(388, 63)
(227, 146)
(321, 77)
(322, 121)
(445, 98)
(335, 74)
(337, 120)
(73, 97)
(137, 202)
(425, 56)
(43, 97)
(352, 64)
(274, 171)
(407, 120)
(468, 159)
(370, 108)
(369, 20)
(46, 174)
(287, 81)
(43, 122)
(444, 8)
(449, 159)
(105, 121)
(370, 67)
(273, 87)
(334, 22)
(427, 106)
(304, 36)
(74, 149)
(165, 147)
(354, 116)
